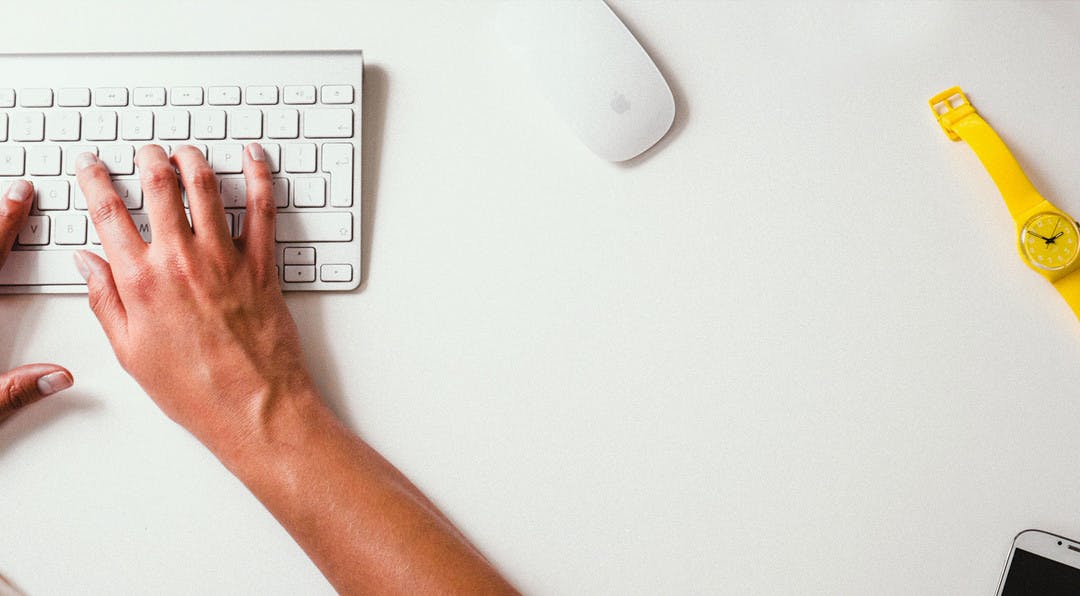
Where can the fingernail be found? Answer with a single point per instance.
(54, 383)
(80, 264)
(20, 190)
(256, 152)
(85, 160)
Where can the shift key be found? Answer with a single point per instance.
(314, 227)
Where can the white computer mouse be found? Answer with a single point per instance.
(593, 70)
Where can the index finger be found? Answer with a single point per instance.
(110, 216)
(14, 208)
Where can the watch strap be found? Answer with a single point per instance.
(1069, 288)
(960, 121)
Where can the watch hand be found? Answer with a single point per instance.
(1058, 235)
(1038, 236)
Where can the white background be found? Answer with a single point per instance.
(790, 351)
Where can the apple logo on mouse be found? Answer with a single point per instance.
(619, 103)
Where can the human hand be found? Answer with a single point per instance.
(196, 317)
(25, 384)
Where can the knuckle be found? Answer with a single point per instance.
(203, 179)
(100, 302)
(13, 395)
(263, 204)
(107, 211)
(158, 178)
(138, 279)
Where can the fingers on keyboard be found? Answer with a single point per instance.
(204, 197)
(109, 213)
(162, 190)
(259, 229)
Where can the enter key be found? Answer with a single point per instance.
(338, 162)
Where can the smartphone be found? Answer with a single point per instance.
(1041, 564)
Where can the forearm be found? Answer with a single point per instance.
(359, 519)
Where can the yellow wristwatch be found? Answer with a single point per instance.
(1047, 238)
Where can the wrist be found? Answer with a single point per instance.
(278, 424)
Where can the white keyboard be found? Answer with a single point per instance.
(303, 107)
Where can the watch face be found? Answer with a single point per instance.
(1049, 240)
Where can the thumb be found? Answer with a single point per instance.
(27, 384)
(104, 297)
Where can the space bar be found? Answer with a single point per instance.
(40, 268)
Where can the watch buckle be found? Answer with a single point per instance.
(949, 107)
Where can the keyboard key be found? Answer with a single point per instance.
(40, 267)
(309, 192)
(328, 123)
(142, 224)
(198, 146)
(73, 97)
(137, 125)
(43, 160)
(130, 192)
(300, 158)
(245, 124)
(337, 94)
(3, 127)
(299, 273)
(299, 255)
(262, 95)
(223, 96)
(337, 160)
(119, 159)
(273, 156)
(70, 230)
(336, 273)
(100, 125)
(36, 232)
(28, 126)
(186, 96)
(71, 155)
(282, 124)
(227, 158)
(7, 98)
(35, 98)
(63, 125)
(314, 227)
(233, 193)
(11, 161)
(148, 96)
(173, 125)
(52, 195)
(281, 191)
(111, 97)
(209, 124)
(299, 94)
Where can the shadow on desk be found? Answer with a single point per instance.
(310, 308)
(376, 85)
(39, 415)
(20, 314)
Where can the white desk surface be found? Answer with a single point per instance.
(792, 351)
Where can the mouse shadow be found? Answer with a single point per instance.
(310, 308)
(682, 107)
